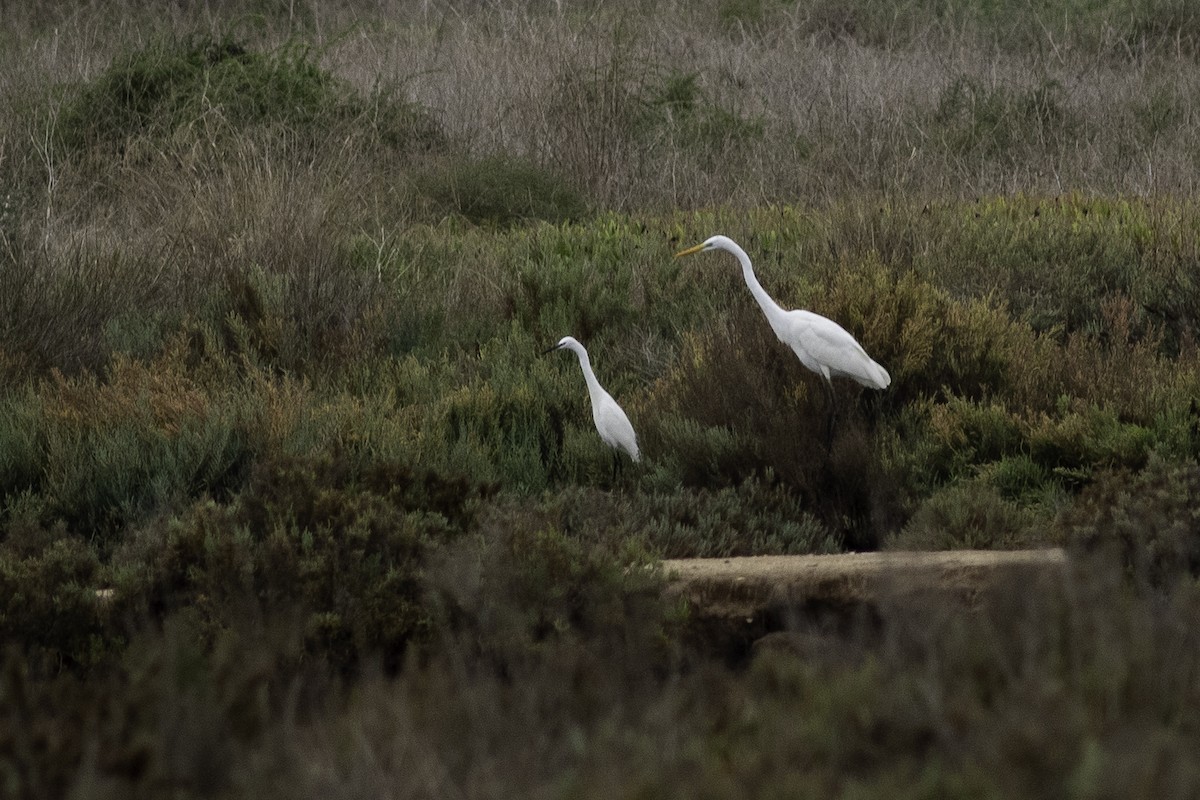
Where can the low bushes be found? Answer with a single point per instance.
(430, 357)
(1144, 519)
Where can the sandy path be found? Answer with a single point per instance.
(744, 587)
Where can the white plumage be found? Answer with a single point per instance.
(611, 422)
(821, 344)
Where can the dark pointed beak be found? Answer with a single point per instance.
(550, 350)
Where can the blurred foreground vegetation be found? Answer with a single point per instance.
(270, 378)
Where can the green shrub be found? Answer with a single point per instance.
(101, 454)
(341, 547)
(1055, 264)
(757, 517)
(21, 457)
(970, 515)
(308, 310)
(568, 281)
(1145, 519)
(171, 85)
(49, 611)
(1081, 440)
(514, 428)
(929, 341)
(936, 445)
(696, 455)
(532, 589)
(213, 84)
(754, 408)
(501, 191)
(1019, 478)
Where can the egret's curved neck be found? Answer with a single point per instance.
(769, 306)
(585, 364)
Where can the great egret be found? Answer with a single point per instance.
(611, 423)
(821, 344)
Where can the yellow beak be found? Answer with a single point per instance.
(690, 250)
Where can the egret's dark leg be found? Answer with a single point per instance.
(832, 400)
(616, 465)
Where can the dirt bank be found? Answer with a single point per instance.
(736, 601)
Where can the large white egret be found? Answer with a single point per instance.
(821, 344)
(611, 423)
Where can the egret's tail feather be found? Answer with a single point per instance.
(883, 379)
(874, 376)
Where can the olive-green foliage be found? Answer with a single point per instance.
(1146, 519)
(975, 384)
(293, 315)
(757, 517)
(170, 87)
(429, 356)
(99, 454)
(1055, 263)
(49, 609)
(533, 588)
(342, 546)
(968, 515)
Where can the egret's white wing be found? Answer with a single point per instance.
(824, 342)
(614, 427)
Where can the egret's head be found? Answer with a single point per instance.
(711, 243)
(566, 341)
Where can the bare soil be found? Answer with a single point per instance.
(747, 588)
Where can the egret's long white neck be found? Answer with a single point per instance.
(585, 363)
(769, 306)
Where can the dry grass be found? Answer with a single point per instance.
(839, 114)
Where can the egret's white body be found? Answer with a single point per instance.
(821, 344)
(611, 422)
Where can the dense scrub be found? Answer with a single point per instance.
(1011, 388)
(273, 294)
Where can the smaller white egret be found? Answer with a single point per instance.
(611, 423)
(821, 344)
